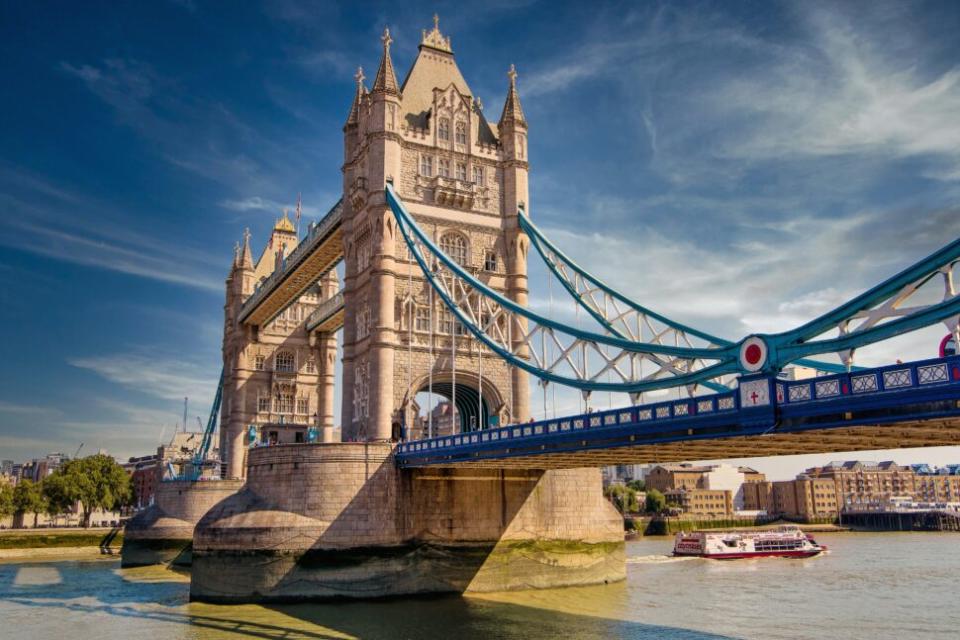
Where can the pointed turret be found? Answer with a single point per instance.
(512, 111)
(236, 256)
(246, 256)
(354, 117)
(386, 80)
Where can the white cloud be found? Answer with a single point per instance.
(160, 375)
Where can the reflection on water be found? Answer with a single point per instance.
(870, 586)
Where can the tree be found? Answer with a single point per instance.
(656, 502)
(96, 482)
(637, 485)
(28, 498)
(623, 498)
(6, 499)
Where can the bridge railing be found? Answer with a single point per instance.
(658, 413)
(794, 400)
(326, 309)
(316, 233)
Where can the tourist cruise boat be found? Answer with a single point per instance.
(787, 541)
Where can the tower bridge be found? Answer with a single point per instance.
(433, 233)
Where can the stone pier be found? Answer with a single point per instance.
(318, 521)
(163, 533)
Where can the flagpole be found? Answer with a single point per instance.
(298, 216)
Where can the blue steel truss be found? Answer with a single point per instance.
(621, 315)
(521, 336)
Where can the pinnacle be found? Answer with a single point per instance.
(354, 115)
(512, 111)
(386, 79)
(246, 255)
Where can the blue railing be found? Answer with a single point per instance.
(918, 389)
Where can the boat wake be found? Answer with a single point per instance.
(659, 559)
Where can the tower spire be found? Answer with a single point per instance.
(434, 39)
(512, 111)
(246, 256)
(354, 116)
(386, 80)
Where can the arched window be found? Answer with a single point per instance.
(443, 129)
(454, 246)
(283, 362)
(461, 133)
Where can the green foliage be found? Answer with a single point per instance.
(656, 502)
(96, 482)
(623, 498)
(28, 498)
(637, 485)
(6, 499)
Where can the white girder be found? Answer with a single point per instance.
(893, 308)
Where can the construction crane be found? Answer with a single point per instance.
(77, 452)
(200, 455)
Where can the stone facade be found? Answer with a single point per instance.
(341, 520)
(278, 377)
(162, 532)
(463, 180)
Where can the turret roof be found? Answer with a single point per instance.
(386, 80)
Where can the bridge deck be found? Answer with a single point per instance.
(906, 405)
(313, 257)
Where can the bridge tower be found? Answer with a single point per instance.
(278, 378)
(462, 178)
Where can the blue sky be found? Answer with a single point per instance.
(741, 166)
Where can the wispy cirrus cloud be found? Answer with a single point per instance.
(36, 221)
(157, 374)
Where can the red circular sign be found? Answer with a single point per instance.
(948, 347)
(753, 354)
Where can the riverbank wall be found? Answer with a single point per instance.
(654, 526)
(26, 544)
(903, 521)
(164, 532)
(340, 520)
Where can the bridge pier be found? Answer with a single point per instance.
(322, 521)
(163, 532)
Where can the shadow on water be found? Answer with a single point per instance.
(156, 602)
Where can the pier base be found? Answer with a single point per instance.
(320, 521)
(163, 533)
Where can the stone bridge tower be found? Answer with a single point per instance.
(463, 180)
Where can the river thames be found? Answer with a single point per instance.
(884, 585)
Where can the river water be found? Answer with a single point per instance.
(886, 585)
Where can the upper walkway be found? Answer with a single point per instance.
(313, 257)
(904, 405)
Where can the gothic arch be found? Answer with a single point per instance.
(468, 400)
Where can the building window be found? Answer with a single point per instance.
(283, 362)
(364, 252)
(454, 246)
(422, 319)
(426, 166)
(443, 169)
(363, 322)
(263, 404)
(449, 324)
(443, 129)
(461, 171)
(461, 134)
(490, 261)
(311, 365)
(258, 362)
(302, 406)
(478, 174)
(361, 390)
(284, 403)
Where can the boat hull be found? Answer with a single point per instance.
(752, 554)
